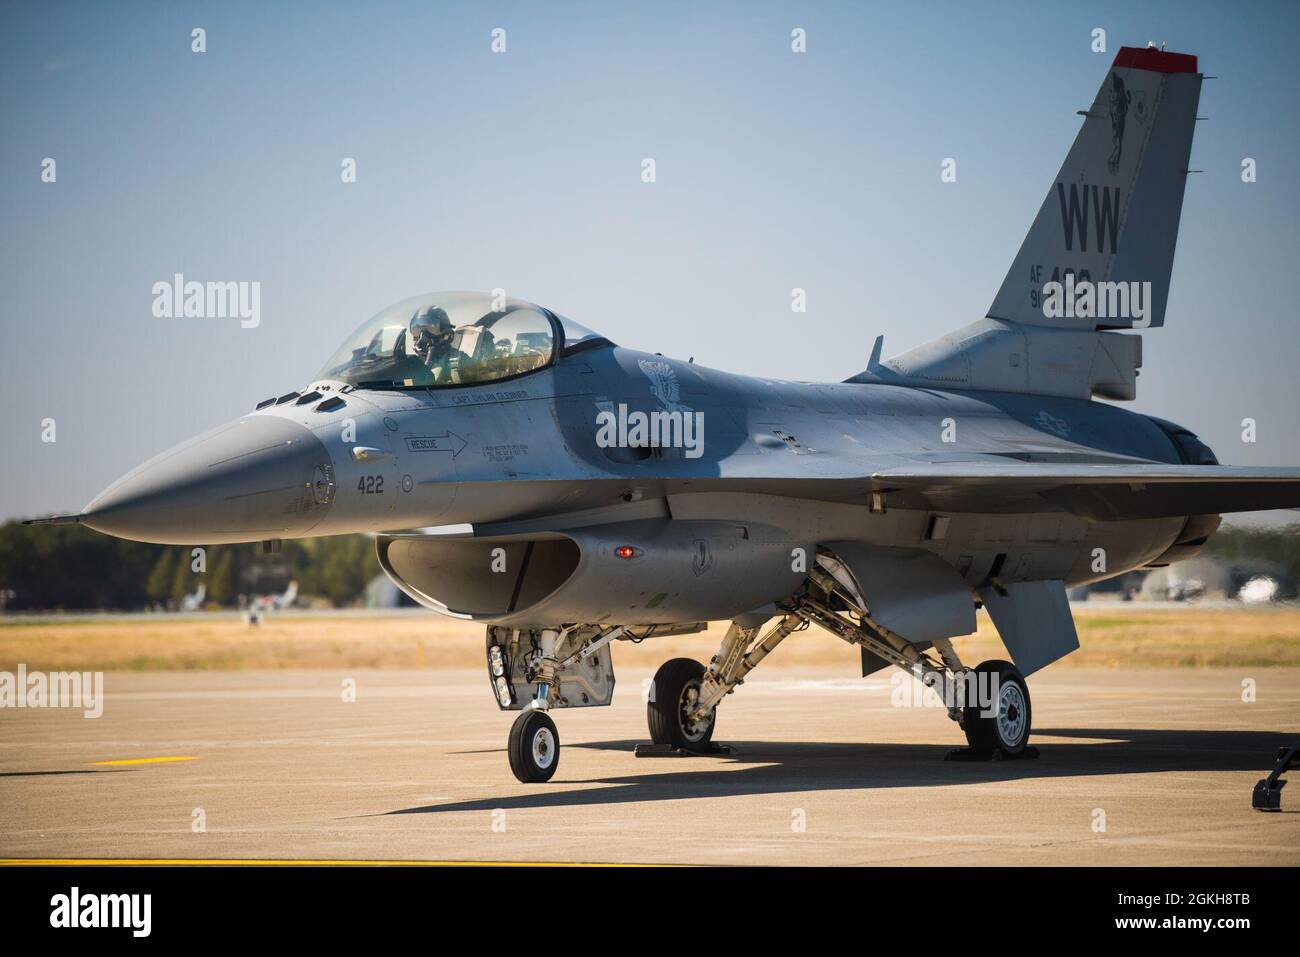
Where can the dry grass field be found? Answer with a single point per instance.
(1111, 636)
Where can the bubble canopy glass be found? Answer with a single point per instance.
(449, 339)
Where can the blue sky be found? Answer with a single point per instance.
(522, 171)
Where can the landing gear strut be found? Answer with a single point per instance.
(991, 702)
(682, 709)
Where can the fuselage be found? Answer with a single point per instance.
(334, 459)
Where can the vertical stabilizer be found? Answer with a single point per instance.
(1111, 215)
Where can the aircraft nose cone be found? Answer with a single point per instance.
(260, 477)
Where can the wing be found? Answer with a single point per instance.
(1102, 492)
(1108, 492)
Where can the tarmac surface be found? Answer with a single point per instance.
(1136, 767)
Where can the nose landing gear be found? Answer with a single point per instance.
(536, 670)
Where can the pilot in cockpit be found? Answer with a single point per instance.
(431, 337)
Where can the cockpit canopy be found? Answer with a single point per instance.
(450, 339)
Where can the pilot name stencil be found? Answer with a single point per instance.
(484, 398)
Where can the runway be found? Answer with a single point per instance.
(1137, 767)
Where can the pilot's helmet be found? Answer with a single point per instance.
(429, 326)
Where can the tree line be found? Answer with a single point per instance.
(72, 567)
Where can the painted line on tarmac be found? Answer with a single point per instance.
(235, 862)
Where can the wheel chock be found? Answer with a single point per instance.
(668, 751)
(1030, 753)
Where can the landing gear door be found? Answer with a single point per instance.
(911, 592)
(511, 659)
(1034, 621)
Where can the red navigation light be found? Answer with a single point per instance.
(625, 551)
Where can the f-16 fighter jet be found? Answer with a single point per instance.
(618, 495)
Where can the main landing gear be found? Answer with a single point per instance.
(991, 702)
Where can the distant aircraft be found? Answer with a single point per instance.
(1259, 590)
(275, 602)
(619, 495)
(1246, 579)
(259, 605)
(194, 602)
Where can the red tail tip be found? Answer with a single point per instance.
(1157, 61)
